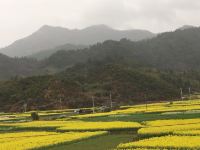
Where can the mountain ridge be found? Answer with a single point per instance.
(48, 37)
(156, 67)
(177, 50)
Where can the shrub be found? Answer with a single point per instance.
(34, 116)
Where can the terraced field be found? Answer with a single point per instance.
(155, 126)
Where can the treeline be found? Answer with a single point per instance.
(75, 87)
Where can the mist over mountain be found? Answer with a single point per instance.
(47, 53)
(178, 50)
(12, 67)
(184, 27)
(48, 37)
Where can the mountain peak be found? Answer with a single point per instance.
(48, 37)
(45, 27)
(98, 26)
(50, 28)
(185, 27)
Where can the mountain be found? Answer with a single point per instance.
(47, 53)
(186, 27)
(178, 50)
(156, 68)
(48, 37)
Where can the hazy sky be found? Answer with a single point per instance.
(19, 18)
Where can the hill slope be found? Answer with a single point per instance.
(157, 67)
(47, 53)
(178, 50)
(76, 85)
(12, 67)
(48, 37)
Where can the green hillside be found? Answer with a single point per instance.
(74, 87)
(132, 71)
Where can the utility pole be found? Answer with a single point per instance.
(189, 93)
(145, 98)
(25, 107)
(111, 104)
(60, 103)
(93, 105)
(181, 92)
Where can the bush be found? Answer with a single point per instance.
(34, 116)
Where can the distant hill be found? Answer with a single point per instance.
(186, 27)
(178, 50)
(47, 53)
(12, 67)
(48, 37)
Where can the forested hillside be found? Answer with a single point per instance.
(156, 68)
(178, 50)
(12, 67)
(74, 87)
(47, 53)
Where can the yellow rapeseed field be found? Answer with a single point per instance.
(7, 137)
(169, 122)
(187, 132)
(156, 107)
(30, 140)
(167, 129)
(171, 134)
(40, 124)
(94, 126)
(76, 125)
(166, 142)
(169, 126)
